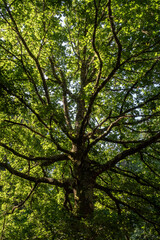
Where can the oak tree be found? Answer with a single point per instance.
(79, 104)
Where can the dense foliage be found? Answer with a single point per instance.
(79, 119)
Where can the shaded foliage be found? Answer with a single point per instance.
(79, 119)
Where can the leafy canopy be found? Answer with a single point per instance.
(79, 119)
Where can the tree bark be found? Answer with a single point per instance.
(84, 184)
(83, 195)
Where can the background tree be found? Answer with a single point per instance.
(79, 93)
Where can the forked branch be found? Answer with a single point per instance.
(131, 151)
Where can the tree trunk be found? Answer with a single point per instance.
(83, 190)
(83, 195)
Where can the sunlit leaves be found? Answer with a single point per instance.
(80, 84)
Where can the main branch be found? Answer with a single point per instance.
(128, 152)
